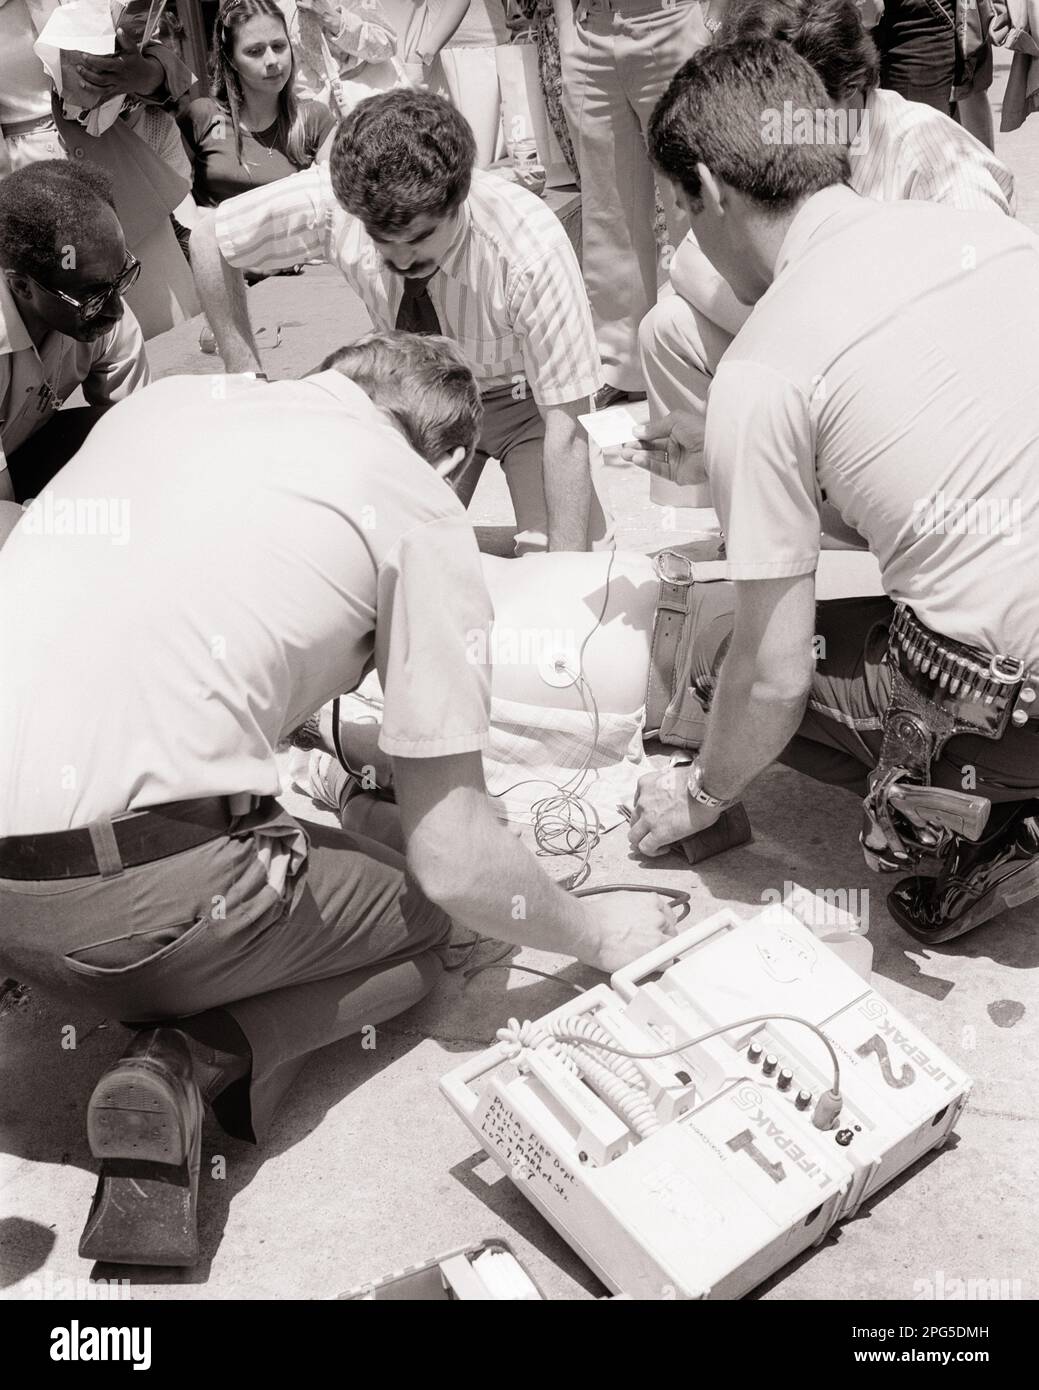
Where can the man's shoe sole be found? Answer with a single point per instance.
(1016, 889)
(144, 1208)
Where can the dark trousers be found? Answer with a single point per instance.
(513, 432)
(841, 733)
(45, 453)
(345, 943)
(917, 42)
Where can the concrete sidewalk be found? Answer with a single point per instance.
(368, 1169)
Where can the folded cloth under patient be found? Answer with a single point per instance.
(535, 751)
(544, 749)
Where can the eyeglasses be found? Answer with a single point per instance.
(87, 309)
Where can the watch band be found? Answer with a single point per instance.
(697, 792)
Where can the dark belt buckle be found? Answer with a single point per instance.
(674, 568)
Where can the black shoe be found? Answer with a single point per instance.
(614, 395)
(977, 881)
(144, 1121)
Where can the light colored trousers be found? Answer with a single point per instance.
(617, 63)
(679, 348)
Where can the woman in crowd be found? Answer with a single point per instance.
(253, 129)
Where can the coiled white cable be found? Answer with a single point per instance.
(615, 1079)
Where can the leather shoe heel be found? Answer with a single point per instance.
(977, 881)
(144, 1121)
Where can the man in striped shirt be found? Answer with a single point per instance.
(432, 246)
(898, 149)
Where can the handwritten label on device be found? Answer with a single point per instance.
(530, 1158)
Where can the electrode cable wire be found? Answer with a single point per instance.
(679, 897)
(558, 1031)
(556, 830)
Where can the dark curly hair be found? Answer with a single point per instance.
(829, 34)
(402, 155)
(48, 207)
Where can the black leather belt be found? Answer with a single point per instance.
(12, 129)
(983, 692)
(141, 837)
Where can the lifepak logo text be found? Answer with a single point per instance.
(744, 1142)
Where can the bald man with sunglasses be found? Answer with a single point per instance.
(63, 323)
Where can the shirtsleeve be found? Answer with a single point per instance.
(759, 453)
(432, 637)
(319, 122)
(554, 322)
(947, 172)
(283, 223)
(366, 33)
(121, 366)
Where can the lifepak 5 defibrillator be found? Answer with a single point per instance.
(699, 1170)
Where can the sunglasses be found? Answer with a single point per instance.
(89, 308)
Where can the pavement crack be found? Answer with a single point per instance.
(1000, 1114)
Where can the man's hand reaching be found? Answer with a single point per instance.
(625, 926)
(665, 813)
(671, 447)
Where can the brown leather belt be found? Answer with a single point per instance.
(142, 837)
(683, 573)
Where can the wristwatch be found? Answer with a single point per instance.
(697, 792)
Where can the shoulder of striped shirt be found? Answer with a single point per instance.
(909, 125)
(509, 209)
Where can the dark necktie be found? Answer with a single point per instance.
(417, 313)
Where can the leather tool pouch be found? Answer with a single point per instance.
(691, 630)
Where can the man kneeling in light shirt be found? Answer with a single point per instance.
(899, 149)
(147, 869)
